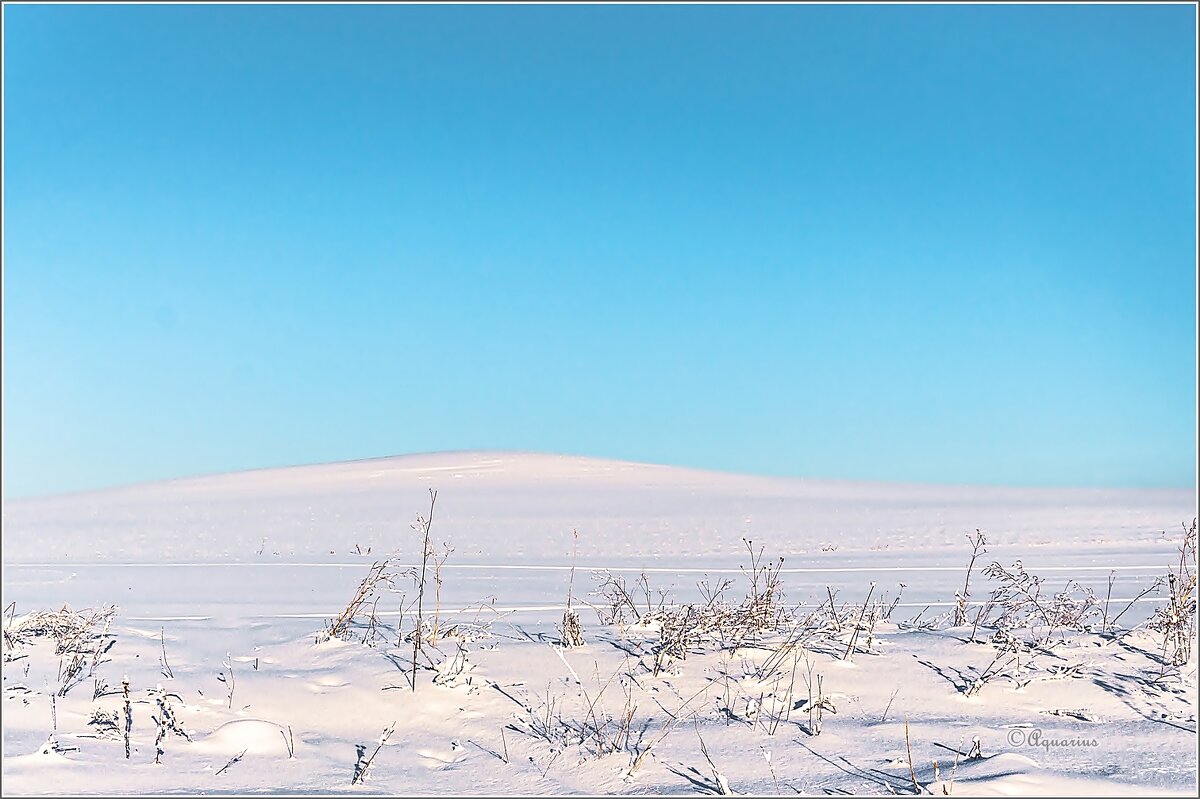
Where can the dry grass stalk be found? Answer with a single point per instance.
(229, 682)
(166, 723)
(572, 630)
(423, 526)
(165, 667)
(640, 753)
(340, 626)
(720, 782)
(978, 547)
(858, 626)
(912, 772)
(817, 705)
(128, 714)
(235, 759)
(290, 742)
(362, 764)
(438, 562)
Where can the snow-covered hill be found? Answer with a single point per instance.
(521, 507)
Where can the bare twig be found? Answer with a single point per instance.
(235, 759)
(166, 667)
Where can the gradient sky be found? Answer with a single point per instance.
(924, 243)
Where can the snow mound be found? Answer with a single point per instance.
(254, 736)
(1011, 774)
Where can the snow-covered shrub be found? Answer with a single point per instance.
(1176, 620)
(1021, 604)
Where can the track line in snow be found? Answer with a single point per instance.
(559, 608)
(168, 618)
(619, 569)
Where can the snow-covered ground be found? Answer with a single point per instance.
(241, 572)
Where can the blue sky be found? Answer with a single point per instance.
(925, 243)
